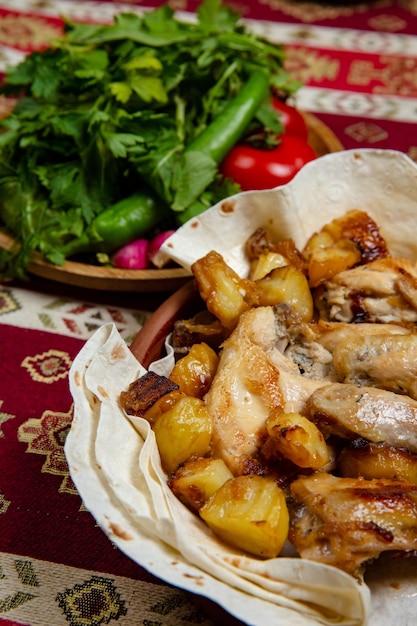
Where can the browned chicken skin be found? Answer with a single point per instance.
(384, 361)
(345, 522)
(383, 291)
(349, 411)
(377, 460)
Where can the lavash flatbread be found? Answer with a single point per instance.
(134, 503)
(114, 460)
(381, 182)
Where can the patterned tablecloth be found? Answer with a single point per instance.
(358, 64)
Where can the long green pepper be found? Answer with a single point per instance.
(228, 127)
(120, 223)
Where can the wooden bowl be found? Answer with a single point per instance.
(321, 138)
(149, 342)
(98, 277)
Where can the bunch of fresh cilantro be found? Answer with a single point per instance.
(109, 109)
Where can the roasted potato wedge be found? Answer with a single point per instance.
(162, 405)
(326, 262)
(249, 512)
(287, 284)
(197, 479)
(298, 439)
(350, 240)
(265, 263)
(183, 431)
(194, 372)
(226, 295)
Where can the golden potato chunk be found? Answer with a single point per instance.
(194, 372)
(298, 439)
(317, 241)
(265, 263)
(249, 512)
(162, 405)
(325, 263)
(197, 479)
(183, 431)
(287, 284)
(355, 226)
(363, 231)
(343, 243)
(226, 295)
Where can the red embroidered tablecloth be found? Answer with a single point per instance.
(358, 64)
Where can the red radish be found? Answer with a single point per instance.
(155, 255)
(132, 256)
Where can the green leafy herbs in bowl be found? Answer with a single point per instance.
(119, 129)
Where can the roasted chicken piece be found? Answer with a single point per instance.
(244, 390)
(253, 377)
(300, 342)
(382, 291)
(349, 411)
(331, 334)
(346, 522)
(385, 361)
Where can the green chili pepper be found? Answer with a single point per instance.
(217, 139)
(121, 223)
(134, 216)
(201, 158)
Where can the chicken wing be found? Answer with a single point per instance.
(331, 334)
(345, 522)
(385, 361)
(377, 460)
(382, 291)
(349, 411)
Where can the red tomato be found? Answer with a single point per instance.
(291, 119)
(253, 168)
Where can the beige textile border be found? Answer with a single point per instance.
(41, 593)
(65, 316)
